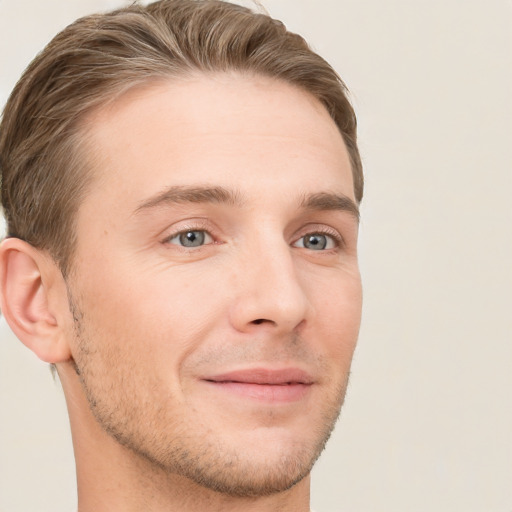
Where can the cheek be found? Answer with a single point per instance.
(338, 317)
(152, 311)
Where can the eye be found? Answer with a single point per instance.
(191, 238)
(316, 242)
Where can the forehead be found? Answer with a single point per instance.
(249, 133)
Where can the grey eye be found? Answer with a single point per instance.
(191, 238)
(316, 242)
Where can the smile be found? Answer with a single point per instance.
(273, 386)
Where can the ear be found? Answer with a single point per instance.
(31, 289)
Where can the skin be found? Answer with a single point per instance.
(146, 326)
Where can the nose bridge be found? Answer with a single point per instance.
(270, 288)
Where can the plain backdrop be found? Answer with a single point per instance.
(427, 424)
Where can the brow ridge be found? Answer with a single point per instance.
(179, 194)
(330, 201)
(186, 194)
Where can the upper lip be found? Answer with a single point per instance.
(264, 376)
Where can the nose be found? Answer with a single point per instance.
(269, 293)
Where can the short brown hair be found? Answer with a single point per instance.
(97, 58)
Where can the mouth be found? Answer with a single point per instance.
(267, 385)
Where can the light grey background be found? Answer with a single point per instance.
(427, 425)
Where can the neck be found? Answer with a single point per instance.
(111, 478)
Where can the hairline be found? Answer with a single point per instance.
(69, 147)
(80, 141)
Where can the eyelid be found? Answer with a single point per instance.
(321, 230)
(208, 238)
(185, 226)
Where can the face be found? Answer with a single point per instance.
(215, 289)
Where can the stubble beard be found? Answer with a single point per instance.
(171, 448)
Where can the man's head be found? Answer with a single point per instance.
(207, 186)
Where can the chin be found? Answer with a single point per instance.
(254, 463)
(248, 476)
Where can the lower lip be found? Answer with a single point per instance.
(271, 393)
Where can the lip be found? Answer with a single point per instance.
(276, 377)
(262, 384)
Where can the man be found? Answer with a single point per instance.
(181, 185)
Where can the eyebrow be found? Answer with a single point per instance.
(185, 194)
(320, 201)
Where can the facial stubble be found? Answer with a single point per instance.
(166, 444)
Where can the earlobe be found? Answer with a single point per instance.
(26, 276)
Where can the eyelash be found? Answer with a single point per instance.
(333, 234)
(323, 231)
(203, 227)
